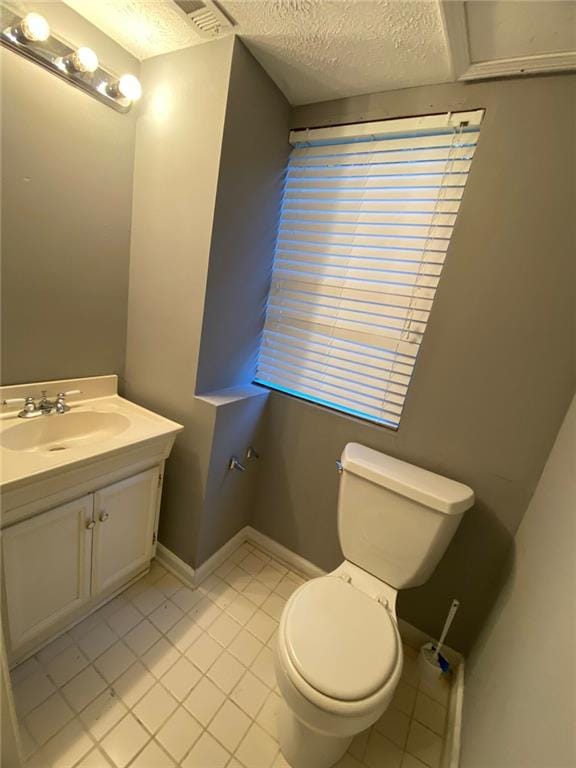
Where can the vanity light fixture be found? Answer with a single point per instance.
(82, 60)
(30, 36)
(33, 29)
(128, 87)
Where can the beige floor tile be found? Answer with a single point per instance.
(165, 616)
(97, 640)
(184, 633)
(226, 672)
(274, 605)
(160, 657)
(124, 741)
(133, 684)
(94, 759)
(261, 626)
(32, 691)
(250, 693)
(205, 612)
(204, 652)
(257, 749)
(224, 629)
(267, 717)
(153, 756)
(430, 713)
(103, 713)
(263, 667)
(124, 619)
(381, 752)
(204, 701)
(155, 707)
(148, 600)
(245, 647)
(424, 744)
(142, 637)
(114, 661)
(229, 725)
(394, 725)
(48, 718)
(206, 752)
(84, 688)
(404, 698)
(241, 609)
(66, 665)
(181, 678)
(68, 747)
(186, 598)
(179, 733)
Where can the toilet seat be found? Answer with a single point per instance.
(341, 642)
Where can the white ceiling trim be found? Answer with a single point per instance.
(463, 68)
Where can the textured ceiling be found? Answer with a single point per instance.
(322, 49)
(313, 49)
(143, 27)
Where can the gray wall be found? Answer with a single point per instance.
(528, 643)
(211, 127)
(178, 143)
(496, 368)
(254, 154)
(66, 204)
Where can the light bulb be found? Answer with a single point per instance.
(129, 87)
(84, 60)
(35, 28)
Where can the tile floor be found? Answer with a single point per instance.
(166, 676)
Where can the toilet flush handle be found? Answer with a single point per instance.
(339, 467)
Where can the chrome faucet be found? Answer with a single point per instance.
(44, 406)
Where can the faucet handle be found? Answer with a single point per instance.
(29, 404)
(63, 395)
(13, 400)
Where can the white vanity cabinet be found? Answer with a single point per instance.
(61, 562)
(47, 568)
(123, 536)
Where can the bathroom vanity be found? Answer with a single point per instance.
(80, 495)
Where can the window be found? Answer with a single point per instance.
(366, 221)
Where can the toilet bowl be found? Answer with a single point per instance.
(338, 660)
(338, 657)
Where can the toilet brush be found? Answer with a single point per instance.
(431, 658)
(449, 619)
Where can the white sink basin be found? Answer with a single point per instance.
(102, 431)
(61, 432)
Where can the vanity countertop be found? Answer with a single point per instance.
(99, 424)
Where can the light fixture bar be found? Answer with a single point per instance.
(79, 66)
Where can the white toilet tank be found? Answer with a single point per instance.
(395, 520)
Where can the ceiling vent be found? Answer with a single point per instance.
(208, 18)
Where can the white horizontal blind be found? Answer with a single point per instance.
(366, 221)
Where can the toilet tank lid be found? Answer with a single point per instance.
(425, 487)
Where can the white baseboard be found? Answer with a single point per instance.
(280, 552)
(247, 534)
(222, 554)
(173, 563)
(451, 755)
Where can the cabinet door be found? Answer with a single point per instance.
(123, 537)
(46, 562)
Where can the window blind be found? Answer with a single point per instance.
(367, 216)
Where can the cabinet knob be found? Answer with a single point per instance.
(103, 516)
(90, 524)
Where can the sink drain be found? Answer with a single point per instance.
(57, 448)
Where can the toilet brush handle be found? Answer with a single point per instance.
(449, 619)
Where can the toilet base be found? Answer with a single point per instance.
(305, 748)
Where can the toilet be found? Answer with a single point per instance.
(338, 657)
